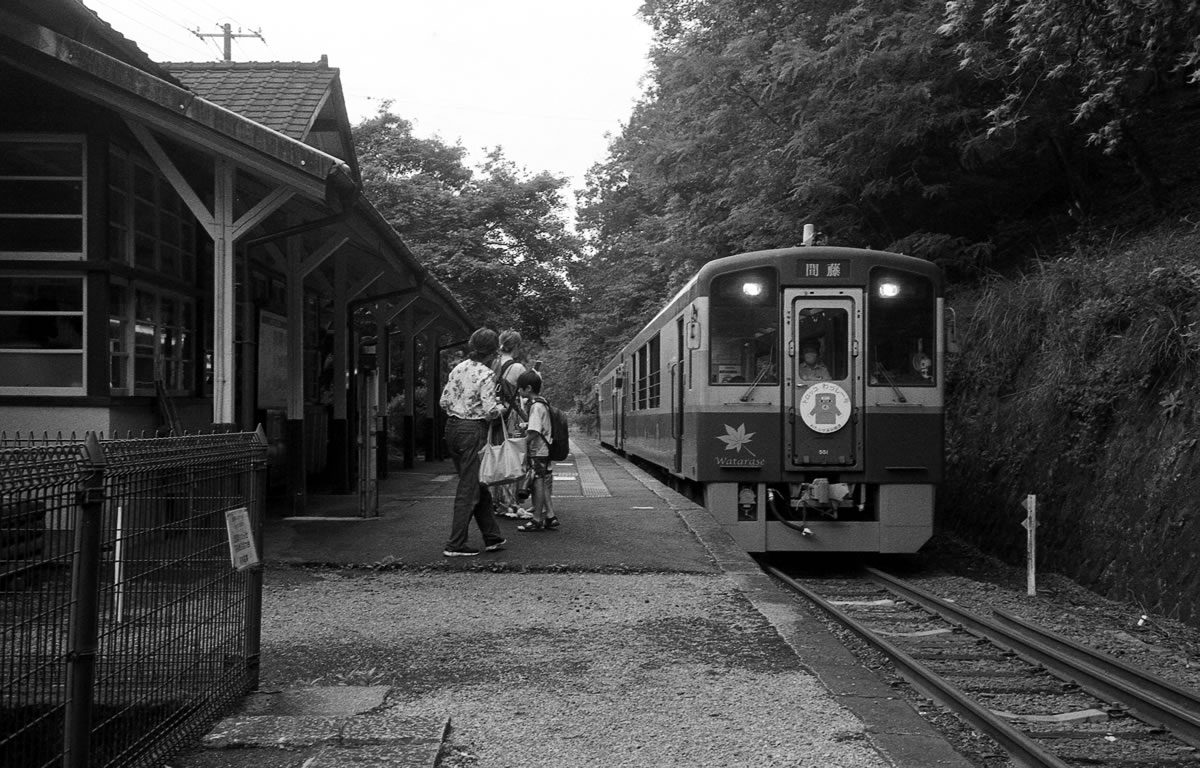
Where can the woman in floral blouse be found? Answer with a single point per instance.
(469, 398)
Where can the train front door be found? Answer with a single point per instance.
(824, 380)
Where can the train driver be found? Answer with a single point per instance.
(812, 369)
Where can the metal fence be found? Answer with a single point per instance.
(127, 632)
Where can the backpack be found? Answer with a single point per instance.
(505, 389)
(560, 444)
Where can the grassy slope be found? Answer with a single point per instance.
(1078, 382)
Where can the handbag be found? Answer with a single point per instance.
(504, 462)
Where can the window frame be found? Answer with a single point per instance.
(731, 365)
(883, 329)
(81, 351)
(165, 245)
(178, 368)
(78, 140)
(647, 375)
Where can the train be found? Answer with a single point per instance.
(798, 392)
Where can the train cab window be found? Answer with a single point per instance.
(744, 328)
(901, 329)
(822, 344)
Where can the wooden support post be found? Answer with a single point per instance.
(224, 297)
(297, 456)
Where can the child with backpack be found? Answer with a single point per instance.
(539, 436)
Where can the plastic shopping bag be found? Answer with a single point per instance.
(502, 463)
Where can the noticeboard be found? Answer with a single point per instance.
(242, 551)
(273, 384)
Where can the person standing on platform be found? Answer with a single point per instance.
(508, 370)
(539, 435)
(470, 401)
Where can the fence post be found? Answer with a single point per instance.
(85, 603)
(254, 579)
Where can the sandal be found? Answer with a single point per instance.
(551, 522)
(530, 525)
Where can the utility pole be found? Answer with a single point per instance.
(228, 33)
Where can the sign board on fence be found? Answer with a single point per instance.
(241, 538)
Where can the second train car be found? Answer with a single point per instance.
(801, 390)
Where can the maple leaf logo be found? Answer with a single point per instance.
(735, 439)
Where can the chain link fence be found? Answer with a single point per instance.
(127, 630)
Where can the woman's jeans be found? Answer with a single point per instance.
(465, 439)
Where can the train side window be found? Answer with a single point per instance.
(901, 328)
(744, 328)
(648, 370)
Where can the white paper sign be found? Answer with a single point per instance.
(242, 551)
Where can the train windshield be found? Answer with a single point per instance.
(901, 329)
(743, 312)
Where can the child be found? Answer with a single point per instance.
(538, 437)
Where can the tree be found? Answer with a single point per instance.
(496, 236)
(1095, 64)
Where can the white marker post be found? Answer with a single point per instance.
(1030, 525)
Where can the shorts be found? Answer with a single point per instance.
(541, 466)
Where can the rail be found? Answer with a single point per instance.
(1164, 729)
(1023, 749)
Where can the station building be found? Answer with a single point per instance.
(187, 246)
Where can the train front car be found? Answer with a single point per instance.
(819, 426)
(802, 389)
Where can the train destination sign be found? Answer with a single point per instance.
(822, 269)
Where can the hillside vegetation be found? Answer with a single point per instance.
(1078, 382)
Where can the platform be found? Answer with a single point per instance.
(616, 519)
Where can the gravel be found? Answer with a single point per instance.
(563, 669)
(635, 669)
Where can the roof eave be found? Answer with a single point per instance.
(140, 95)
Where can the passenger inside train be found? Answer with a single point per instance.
(811, 368)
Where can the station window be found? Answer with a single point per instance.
(649, 374)
(42, 197)
(151, 334)
(743, 311)
(41, 335)
(901, 329)
(149, 226)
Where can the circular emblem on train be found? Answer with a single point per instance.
(825, 407)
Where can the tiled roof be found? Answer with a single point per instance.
(284, 96)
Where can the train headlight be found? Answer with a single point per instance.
(889, 289)
(752, 289)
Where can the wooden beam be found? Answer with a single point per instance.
(327, 249)
(274, 200)
(182, 188)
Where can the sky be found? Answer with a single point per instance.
(546, 80)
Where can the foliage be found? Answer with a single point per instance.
(917, 126)
(497, 237)
(1093, 63)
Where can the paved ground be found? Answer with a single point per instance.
(615, 519)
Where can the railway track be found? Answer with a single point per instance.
(1046, 700)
